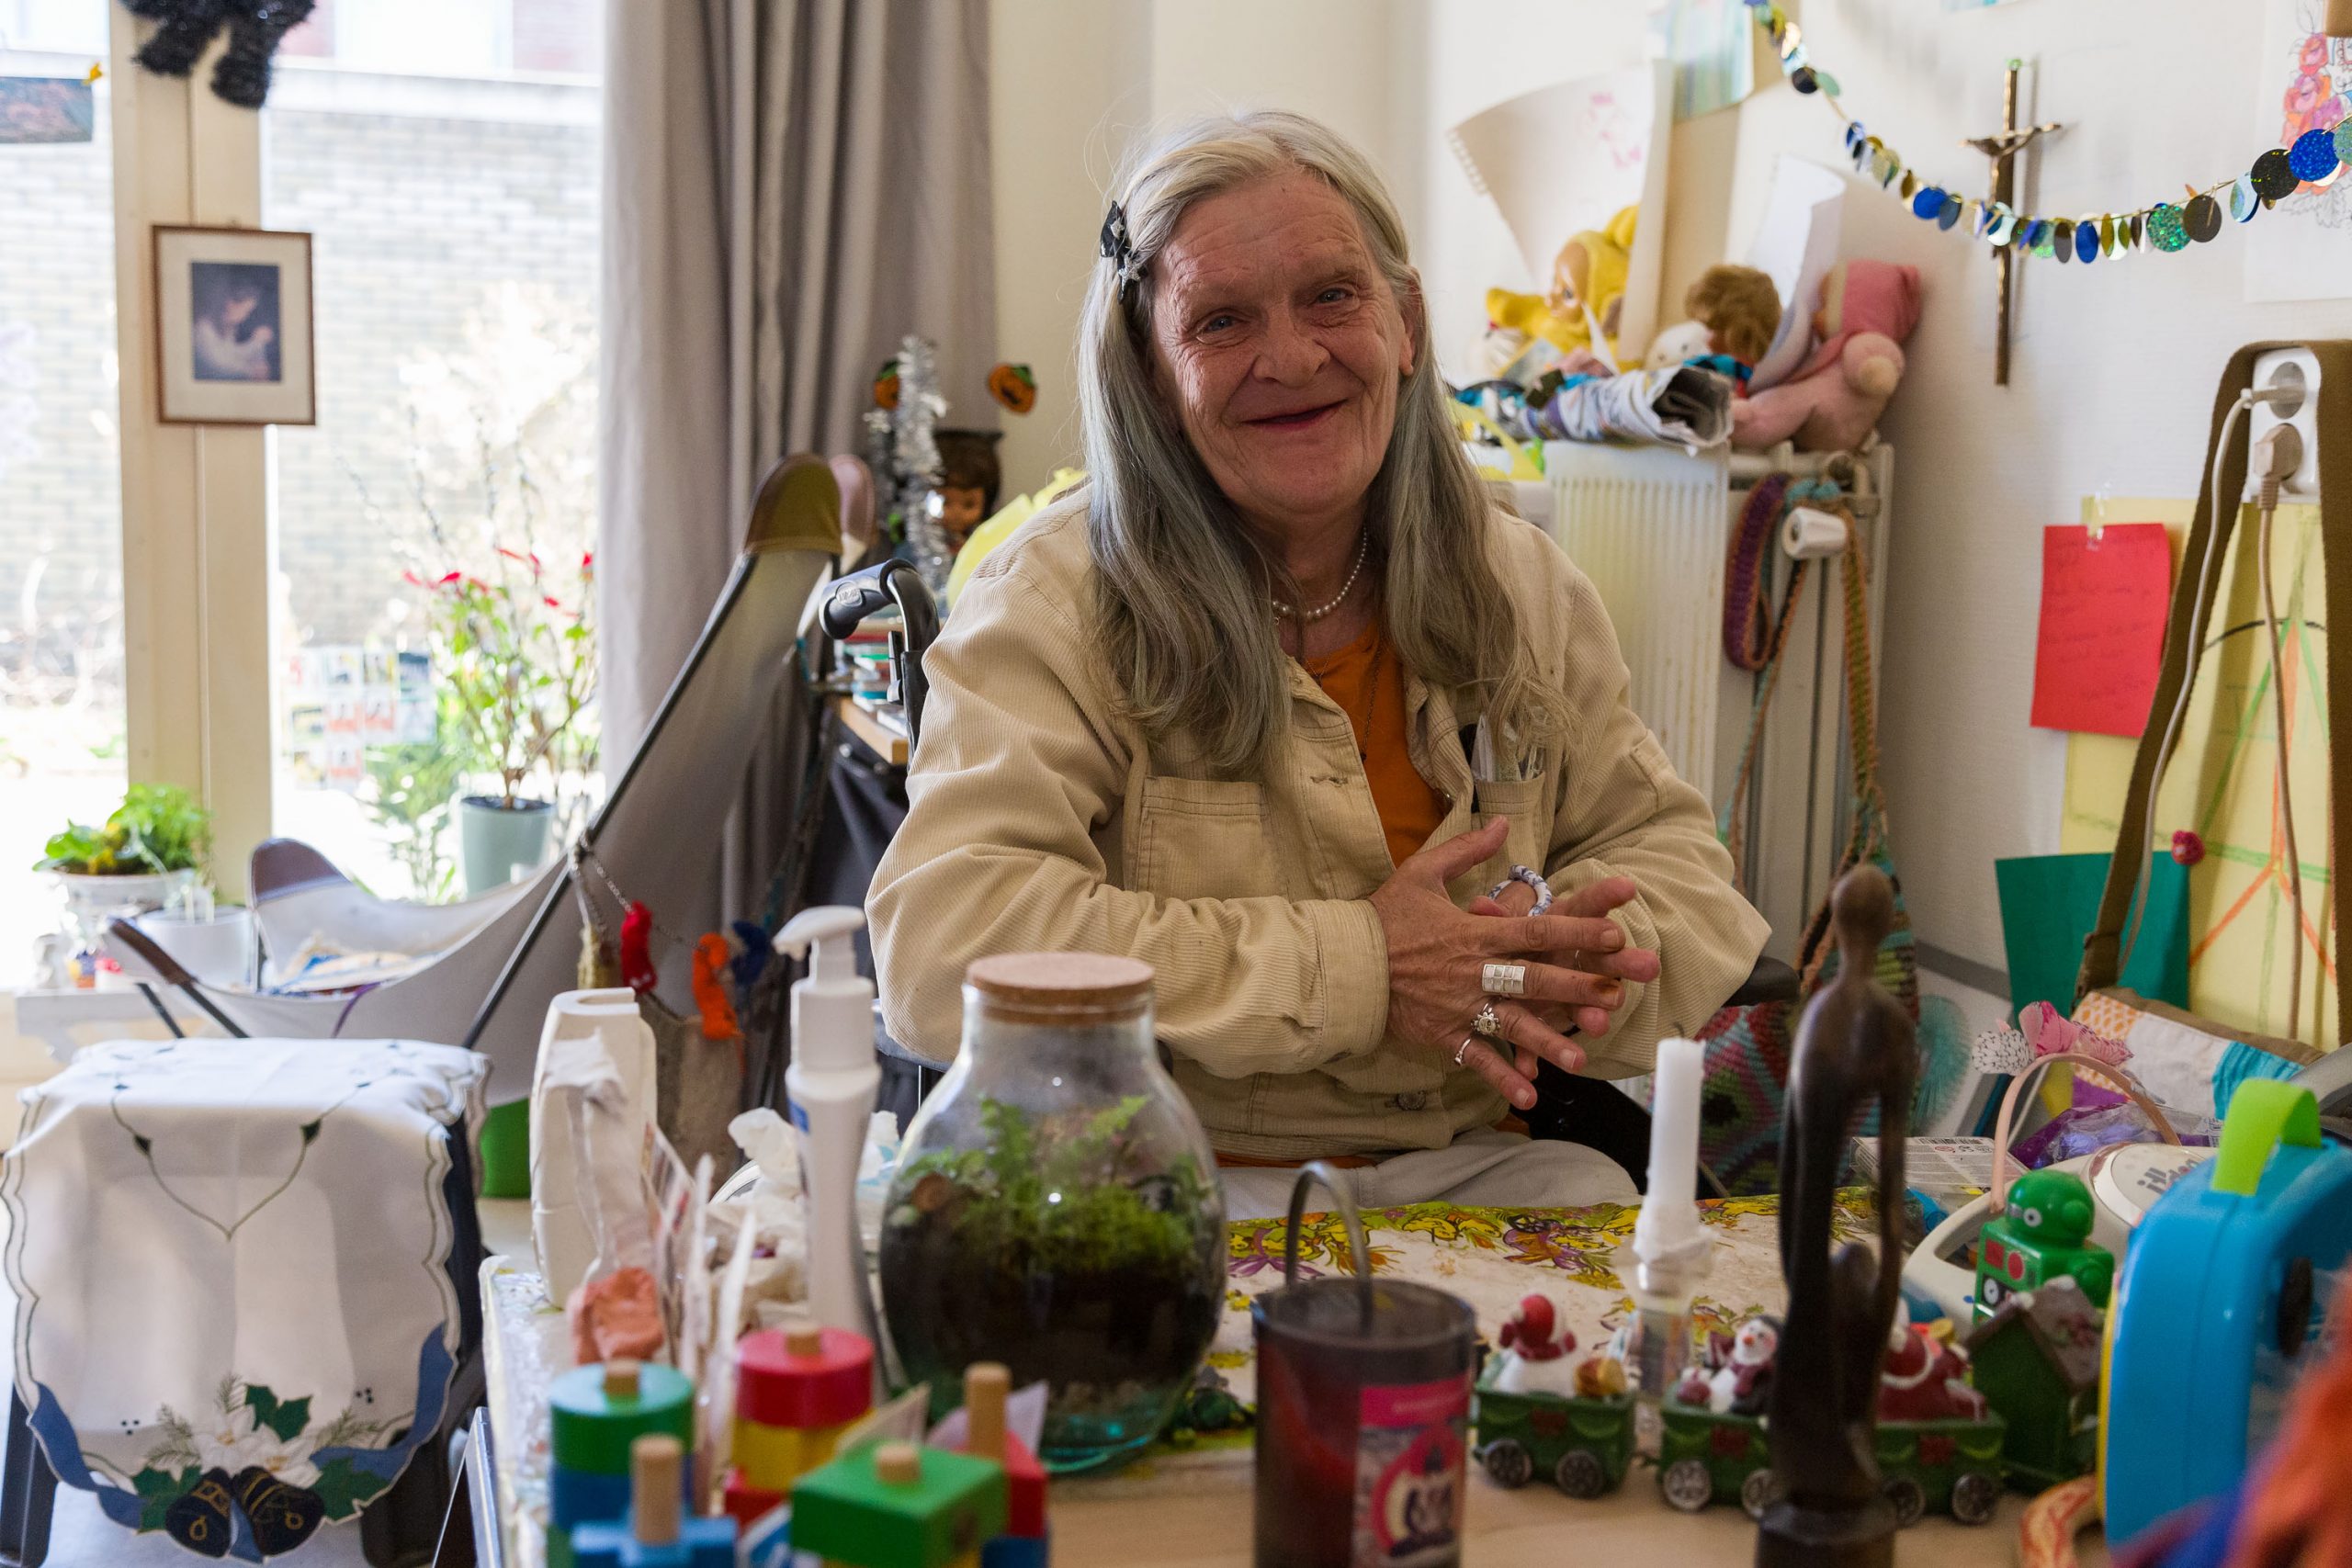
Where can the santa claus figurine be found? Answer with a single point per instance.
(1925, 1380)
(1741, 1383)
(1535, 1357)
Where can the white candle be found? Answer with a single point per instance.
(1666, 1217)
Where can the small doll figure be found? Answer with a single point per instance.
(1742, 1385)
(970, 480)
(1535, 1357)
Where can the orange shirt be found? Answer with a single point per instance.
(1367, 681)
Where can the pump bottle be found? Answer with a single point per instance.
(831, 1085)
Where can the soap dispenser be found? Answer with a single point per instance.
(831, 1086)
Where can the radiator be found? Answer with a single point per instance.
(1649, 525)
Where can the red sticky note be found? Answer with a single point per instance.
(2102, 637)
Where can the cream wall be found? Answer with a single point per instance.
(2114, 364)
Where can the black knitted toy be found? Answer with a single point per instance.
(187, 27)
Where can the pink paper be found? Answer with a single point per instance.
(2102, 635)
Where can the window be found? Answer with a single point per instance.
(444, 155)
(62, 716)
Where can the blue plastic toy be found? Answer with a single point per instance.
(2221, 1305)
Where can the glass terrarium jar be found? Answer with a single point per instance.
(1057, 1208)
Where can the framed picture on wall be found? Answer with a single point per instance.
(233, 327)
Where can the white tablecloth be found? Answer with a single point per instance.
(244, 1272)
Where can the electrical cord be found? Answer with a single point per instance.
(2281, 451)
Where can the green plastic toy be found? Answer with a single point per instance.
(896, 1506)
(2044, 1235)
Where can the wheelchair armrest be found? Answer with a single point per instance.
(1769, 981)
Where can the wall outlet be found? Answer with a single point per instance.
(2285, 371)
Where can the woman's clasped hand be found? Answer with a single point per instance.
(1574, 958)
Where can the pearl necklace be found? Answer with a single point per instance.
(1363, 546)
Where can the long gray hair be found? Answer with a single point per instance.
(1183, 584)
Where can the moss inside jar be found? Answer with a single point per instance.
(1057, 1209)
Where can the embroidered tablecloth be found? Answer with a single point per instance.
(1491, 1257)
(244, 1275)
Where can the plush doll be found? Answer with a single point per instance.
(1734, 311)
(1834, 400)
(1588, 285)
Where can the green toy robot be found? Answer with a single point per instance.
(2044, 1235)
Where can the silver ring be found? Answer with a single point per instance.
(1464, 1049)
(1503, 979)
(1487, 1024)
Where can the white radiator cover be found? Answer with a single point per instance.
(1650, 527)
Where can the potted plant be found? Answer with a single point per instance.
(152, 847)
(519, 666)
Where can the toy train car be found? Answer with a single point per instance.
(1938, 1467)
(1583, 1446)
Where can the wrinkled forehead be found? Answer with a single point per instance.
(1269, 236)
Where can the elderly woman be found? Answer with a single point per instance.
(1277, 699)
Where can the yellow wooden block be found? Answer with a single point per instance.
(773, 1458)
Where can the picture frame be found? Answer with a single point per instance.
(233, 326)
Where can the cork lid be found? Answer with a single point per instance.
(1060, 987)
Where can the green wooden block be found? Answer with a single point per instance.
(846, 1514)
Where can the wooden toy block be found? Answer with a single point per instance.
(595, 1414)
(656, 1533)
(773, 1458)
(746, 1503)
(987, 1385)
(895, 1506)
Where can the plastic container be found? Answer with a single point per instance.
(1057, 1209)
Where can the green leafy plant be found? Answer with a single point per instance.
(1075, 1202)
(157, 829)
(520, 662)
(413, 790)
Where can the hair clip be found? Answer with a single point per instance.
(1119, 249)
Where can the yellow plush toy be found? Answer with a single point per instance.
(1588, 286)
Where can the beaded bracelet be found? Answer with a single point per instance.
(1534, 879)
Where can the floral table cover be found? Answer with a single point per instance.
(244, 1274)
(1491, 1257)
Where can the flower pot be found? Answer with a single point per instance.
(218, 949)
(94, 897)
(497, 842)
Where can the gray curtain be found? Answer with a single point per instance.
(790, 187)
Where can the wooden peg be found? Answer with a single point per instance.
(897, 1464)
(657, 1487)
(621, 1379)
(806, 1339)
(986, 1386)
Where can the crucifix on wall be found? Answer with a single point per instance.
(2003, 149)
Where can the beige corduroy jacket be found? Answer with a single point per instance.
(1040, 821)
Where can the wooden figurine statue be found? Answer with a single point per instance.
(1855, 1046)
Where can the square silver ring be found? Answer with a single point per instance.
(1504, 979)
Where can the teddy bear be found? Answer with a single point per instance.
(1735, 312)
(1834, 400)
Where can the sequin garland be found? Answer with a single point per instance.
(2317, 158)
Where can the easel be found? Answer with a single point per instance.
(2003, 149)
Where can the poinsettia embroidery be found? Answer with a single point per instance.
(252, 1453)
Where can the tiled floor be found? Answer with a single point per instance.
(81, 1537)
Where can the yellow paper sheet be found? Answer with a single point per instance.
(2222, 780)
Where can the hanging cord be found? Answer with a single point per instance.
(2269, 449)
(585, 855)
(1748, 619)
(2198, 610)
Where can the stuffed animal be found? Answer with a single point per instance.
(1535, 1354)
(1734, 311)
(1588, 285)
(1925, 1380)
(1834, 400)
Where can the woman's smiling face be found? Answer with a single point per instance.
(1282, 347)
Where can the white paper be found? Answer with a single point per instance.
(2300, 249)
(1565, 158)
(1795, 246)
